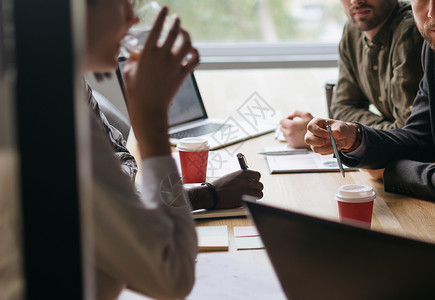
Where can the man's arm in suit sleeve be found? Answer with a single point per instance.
(413, 142)
(411, 178)
(406, 154)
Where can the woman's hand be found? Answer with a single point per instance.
(153, 80)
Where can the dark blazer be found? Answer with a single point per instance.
(407, 154)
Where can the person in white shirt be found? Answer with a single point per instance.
(149, 243)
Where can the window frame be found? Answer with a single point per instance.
(261, 55)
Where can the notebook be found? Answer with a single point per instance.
(320, 259)
(200, 214)
(300, 161)
(188, 118)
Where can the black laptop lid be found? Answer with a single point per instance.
(187, 105)
(319, 259)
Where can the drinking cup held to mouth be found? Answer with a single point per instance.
(355, 204)
(132, 44)
(193, 159)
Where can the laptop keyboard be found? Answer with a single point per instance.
(198, 131)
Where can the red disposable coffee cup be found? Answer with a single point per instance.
(355, 204)
(193, 159)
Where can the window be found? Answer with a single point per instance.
(260, 20)
(262, 33)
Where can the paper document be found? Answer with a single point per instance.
(221, 213)
(241, 231)
(283, 150)
(303, 163)
(247, 238)
(248, 243)
(220, 277)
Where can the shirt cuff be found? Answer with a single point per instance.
(161, 183)
(358, 153)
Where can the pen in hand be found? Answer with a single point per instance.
(244, 166)
(242, 161)
(334, 147)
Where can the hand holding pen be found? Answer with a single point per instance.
(231, 187)
(334, 147)
(318, 137)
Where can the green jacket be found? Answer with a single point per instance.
(384, 72)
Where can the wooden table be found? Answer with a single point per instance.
(313, 193)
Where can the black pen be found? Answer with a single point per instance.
(242, 161)
(334, 147)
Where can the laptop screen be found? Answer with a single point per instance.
(342, 261)
(187, 105)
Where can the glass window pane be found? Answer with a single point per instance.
(260, 20)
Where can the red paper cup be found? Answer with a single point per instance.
(355, 204)
(193, 159)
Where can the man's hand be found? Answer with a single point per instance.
(229, 190)
(231, 187)
(317, 136)
(294, 128)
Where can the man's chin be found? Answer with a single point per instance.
(430, 39)
(364, 24)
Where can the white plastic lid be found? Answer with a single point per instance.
(355, 193)
(193, 144)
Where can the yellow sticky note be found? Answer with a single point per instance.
(212, 238)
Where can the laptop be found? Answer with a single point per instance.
(188, 118)
(320, 259)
